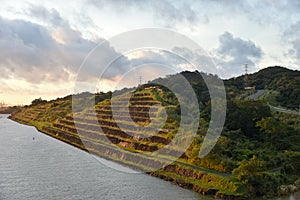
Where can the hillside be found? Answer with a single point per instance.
(9, 109)
(282, 85)
(258, 151)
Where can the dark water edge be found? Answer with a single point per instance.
(295, 196)
(36, 166)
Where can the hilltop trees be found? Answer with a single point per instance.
(38, 101)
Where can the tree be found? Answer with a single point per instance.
(249, 168)
(249, 171)
(273, 128)
(38, 101)
(243, 115)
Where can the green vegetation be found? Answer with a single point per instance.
(258, 151)
(283, 85)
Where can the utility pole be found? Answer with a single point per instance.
(2, 104)
(246, 75)
(140, 80)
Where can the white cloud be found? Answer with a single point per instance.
(236, 52)
(292, 36)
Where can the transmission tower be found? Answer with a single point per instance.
(140, 80)
(246, 75)
(2, 104)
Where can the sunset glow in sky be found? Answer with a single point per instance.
(43, 43)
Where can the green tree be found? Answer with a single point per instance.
(38, 101)
(273, 128)
(249, 171)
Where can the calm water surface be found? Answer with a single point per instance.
(45, 168)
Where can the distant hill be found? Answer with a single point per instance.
(9, 109)
(283, 85)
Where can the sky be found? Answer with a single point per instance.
(44, 45)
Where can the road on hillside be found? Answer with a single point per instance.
(283, 110)
(257, 94)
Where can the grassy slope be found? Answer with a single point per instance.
(53, 114)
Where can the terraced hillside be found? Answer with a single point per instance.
(130, 139)
(42, 114)
(256, 154)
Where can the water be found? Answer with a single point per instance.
(45, 168)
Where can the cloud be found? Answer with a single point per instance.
(168, 13)
(202, 60)
(50, 16)
(234, 52)
(52, 51)
(28, 51)
(227, 60)
(171, 14)
(266, 13)
(292, 36)
(146, 63)
(40, 53)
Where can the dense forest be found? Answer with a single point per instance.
(260, 146)
(257, 154)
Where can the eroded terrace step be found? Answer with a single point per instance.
(133, 127)
(24, 117)
(22, 120)
(92, 137)
(95, 127)
(103, 138)
(86, 117)
(112, 131)
(142, 108)
(124, 113)
(122, 118)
